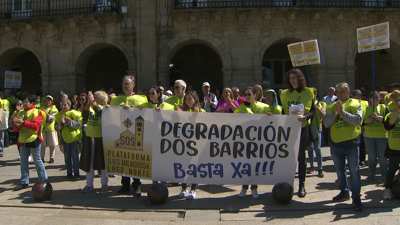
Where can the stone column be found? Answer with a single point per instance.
(146, 41)
(163, 78)
(72, 83)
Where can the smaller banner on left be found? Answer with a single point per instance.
(12, 79)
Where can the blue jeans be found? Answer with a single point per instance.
(71, 157)
(24, 153)
(315, 145)
(6, 138)
(1, 141)
(339, 159)
(376, 148)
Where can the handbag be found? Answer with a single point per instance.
(4, 120)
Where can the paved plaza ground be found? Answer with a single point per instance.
(214, 204)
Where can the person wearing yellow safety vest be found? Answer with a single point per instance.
(375, 136)
(316, 135)
(179, 90)
(68, 124)
(296, 94)
(190, 104)
(392, 125)
(4, 105)
(344, 118)
(156, 102)
(251, 106)
(357, 94)
(128, 100)
(272, 100)
(28, 123)
(49, 133)
(92, 156)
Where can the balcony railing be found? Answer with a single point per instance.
(198, 4)
(15, 9)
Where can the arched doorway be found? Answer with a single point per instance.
(105, 70)
(384, 72)
(196, 64)
(276, 62)
(26, 62)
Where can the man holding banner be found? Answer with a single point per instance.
(126, 102)
(344, 118)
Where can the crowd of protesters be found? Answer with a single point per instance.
(354, 124)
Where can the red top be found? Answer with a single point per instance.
(34, 125)
(240, 99)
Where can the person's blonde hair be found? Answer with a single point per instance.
(258, 87)
(103, 96)
(228, 90)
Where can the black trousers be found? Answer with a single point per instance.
(125, 181)
(304, 142)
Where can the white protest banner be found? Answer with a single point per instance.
(373, 37)
(12, 79)
(304, 53)
(207, 148)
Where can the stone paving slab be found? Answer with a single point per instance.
(220, 201)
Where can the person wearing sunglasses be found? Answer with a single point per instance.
(82, 100)
(128, 100)
(179, 90)
(251, 106)
(28, 123)
(296, 94)
(375, 136)
(156, 101)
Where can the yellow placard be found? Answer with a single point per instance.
(373, 37)
(297, 54)
(304, 53)
(311, 52)
(364, 37)
(381, 36)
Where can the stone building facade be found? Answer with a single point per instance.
(159, 41)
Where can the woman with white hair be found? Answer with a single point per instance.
(92, 156)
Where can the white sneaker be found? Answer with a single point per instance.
(387, 194)
(254, 193)
(192, 195)
(17, 159)
(29, 159)
(87, 189)
(242, 193)
(184, 194)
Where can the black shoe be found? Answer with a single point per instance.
(51, 160)
(76, 175)
(20, 187)
(302, 191)
(70, 177)
(43, 160)
(341, 197)
(136, 191)
(124, 189)
(358, 204)
(321, 173)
